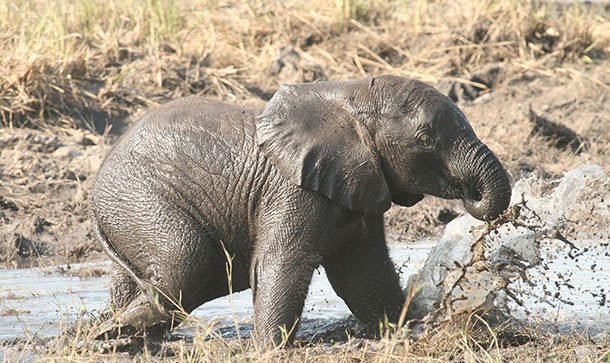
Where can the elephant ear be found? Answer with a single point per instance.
(312, 138)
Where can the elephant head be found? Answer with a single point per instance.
(367, 142)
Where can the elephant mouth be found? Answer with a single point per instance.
(407, 199)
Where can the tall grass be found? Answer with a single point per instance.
(114, 57)
(61, 28)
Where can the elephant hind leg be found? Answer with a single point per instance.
(132, 311)
(123, 288)
(144, 313)
(138, 306)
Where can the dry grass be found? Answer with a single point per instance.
(75, 62)
(470, 341)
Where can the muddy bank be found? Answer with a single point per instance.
(44, 184)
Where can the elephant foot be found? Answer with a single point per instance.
(131, 344)
(141, 316)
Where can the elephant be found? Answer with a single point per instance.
(198, 185)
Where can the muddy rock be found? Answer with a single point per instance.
(8, 204)
(542, 39)
(446, 215)
(27, 248)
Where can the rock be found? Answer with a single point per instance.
(291, 67)
(40, 224)
(66, 152)
(489, 77)
(27, 247)
(85, 141)
(459, 278)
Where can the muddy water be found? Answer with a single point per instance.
(42, 301)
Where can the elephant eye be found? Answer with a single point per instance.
(426, 140)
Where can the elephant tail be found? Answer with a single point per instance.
(119, 259)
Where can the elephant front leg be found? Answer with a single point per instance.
(280, 278)
(363, 275)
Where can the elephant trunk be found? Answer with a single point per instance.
(486, 187)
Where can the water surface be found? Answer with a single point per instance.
(42, 301)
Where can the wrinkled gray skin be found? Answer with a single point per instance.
(304, 183)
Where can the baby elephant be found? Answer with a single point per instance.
(279, 192)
